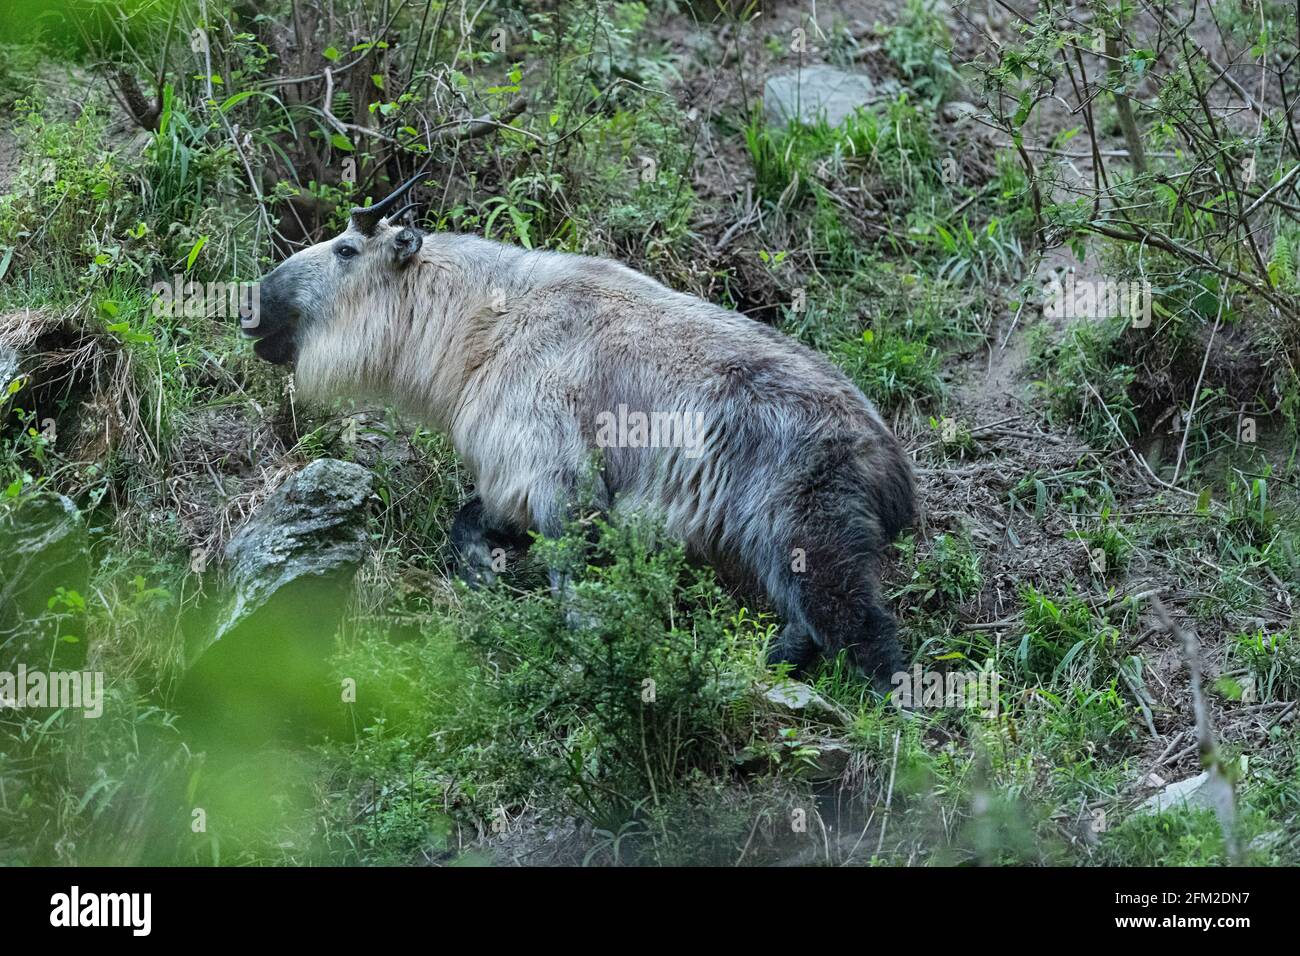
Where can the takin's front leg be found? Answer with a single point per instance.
(795, 645)
(564, 499)
(479, 545)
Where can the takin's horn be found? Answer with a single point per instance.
(393, 217)
(366, 218)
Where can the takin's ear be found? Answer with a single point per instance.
(406, 244)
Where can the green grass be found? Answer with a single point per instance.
(892, 369)
(1087, 381)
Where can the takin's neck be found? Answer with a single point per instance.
(445, 323)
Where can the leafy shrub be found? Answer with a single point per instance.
(608, 712)
(950, 571)
(60, 215)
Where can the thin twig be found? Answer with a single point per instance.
(1196, 392)
(889, 795)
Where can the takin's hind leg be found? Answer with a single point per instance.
(479, 546)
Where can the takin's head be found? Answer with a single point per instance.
(335, 290)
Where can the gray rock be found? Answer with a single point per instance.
(819, 759)
(260, 659)
(702, 47)
(368, 440)
(815, 92)
(1268, 840)
(1191, 793)
(831, 761)
(314, 526)
(798, 698)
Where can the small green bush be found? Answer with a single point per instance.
(613, 697)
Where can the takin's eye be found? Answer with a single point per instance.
(345, 251)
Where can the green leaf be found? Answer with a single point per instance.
(341, 142)
(194, 253)
(1022, 111)
(236, 100)
(331, 53)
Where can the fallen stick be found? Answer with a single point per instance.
(1219, 785)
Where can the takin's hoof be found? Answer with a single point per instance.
(474, 566)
